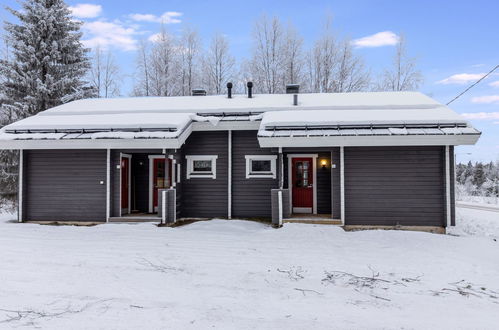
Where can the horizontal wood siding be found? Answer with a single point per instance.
(394, 186)
(250, 197)
(205, 197)
(64, 185)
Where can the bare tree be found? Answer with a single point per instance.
(104, 74)
(351, 74)
(189, 52)
(404, 75)
(293, 59)
(218, 64)
(163, 64)
(142, 79)
(267, 57)
(322, 62)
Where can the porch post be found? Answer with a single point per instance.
(229, 176)
(447, 187)
(108, 184)
(20, 189)
(342, 184)
(281, 169)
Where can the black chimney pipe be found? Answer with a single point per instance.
(250, 86)
(229, 90)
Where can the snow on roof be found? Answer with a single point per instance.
(241, 103)
(437, 115)
(171, 117)
(157, 121)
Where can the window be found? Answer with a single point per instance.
(202, 166)
(261, 166)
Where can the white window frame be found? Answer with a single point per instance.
(190, 166)
(270, 175)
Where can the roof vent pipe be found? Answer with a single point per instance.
(250, 87)
(295, 99)
(229, 90)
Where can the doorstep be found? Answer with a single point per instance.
(318, 219)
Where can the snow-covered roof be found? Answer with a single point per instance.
(108, 122)
(241, 103)
(163, 118)
(310, 118)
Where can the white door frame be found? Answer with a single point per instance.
(151, 177)
(122, 155)
(290, 181)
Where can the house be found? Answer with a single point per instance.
(367, 160)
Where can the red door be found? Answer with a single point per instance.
(161, 178)
(125, 182)
(302, 180)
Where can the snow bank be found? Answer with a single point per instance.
(472, 222)
(229, 274)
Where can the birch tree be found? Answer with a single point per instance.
(351, 74)
(218, 65)
(322, 62)
(104, 74)
(267, 57)
(403, 75)
(189, 53)
(293, 58)
(142, 73)
(164, 64)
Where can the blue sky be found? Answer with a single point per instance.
(454, 41)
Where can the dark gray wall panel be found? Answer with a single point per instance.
(206, 197)
(63, 185)
(250, 197)
(394, 185)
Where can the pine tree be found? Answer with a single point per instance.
(46, 64)
(48, 61)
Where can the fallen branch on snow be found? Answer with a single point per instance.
(163, 268)
(307, 290)
(295, 273)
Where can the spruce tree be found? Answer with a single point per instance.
(46, 61)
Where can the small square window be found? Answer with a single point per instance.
(201, 166)
(261, 166)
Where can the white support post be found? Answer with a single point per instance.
(167, 170)
(229, 177)
(281, 169)
(20, 189)
(108, 185)
(163, 206)
(447, 187)
(279, 200)
(332, 182)
(342, 184)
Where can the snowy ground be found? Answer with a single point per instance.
(478, 199)
(246, 275)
